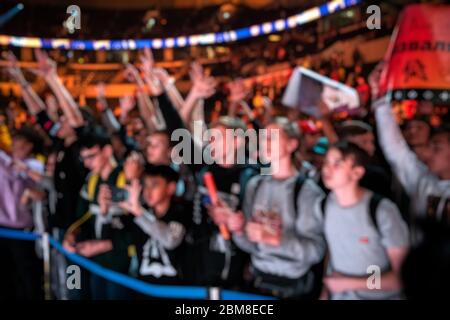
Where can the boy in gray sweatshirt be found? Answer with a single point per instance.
(367, 238)
(277, 227)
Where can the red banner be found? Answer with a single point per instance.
(418, 57)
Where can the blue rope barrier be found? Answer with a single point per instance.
(236, 295)
(18, 234)
(161, 291)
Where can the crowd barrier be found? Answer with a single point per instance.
(154, 290)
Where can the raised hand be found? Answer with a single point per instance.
(374, 80)
(100, 89)
(132, 74)
(127, 103)
(151, 74)
(133, 204)
(147, 60)
(202, 86)
(238, 91)
(46, 66)
(101, 98)
(13, 68)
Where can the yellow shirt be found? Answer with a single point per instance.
(5, 138)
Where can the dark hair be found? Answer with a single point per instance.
(442, 129)
(94, 136)
(163, 171)
(420, 118)
(349, 149)
(353, 128)
(31, 136)
(88, 116)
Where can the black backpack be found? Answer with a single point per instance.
(316, 269)
(373, 205)
(374, 201)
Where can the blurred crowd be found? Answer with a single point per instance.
(350, 193)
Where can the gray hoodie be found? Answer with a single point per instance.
(302, 244)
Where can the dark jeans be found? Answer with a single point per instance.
(102, 289)
(20, 271)
(94, 287)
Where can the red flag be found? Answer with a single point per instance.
(418, 57)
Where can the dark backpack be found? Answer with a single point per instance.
(373, 205)
(297, 187)
(316, 269)
(374, 201)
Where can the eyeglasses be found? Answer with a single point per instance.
(89, 157)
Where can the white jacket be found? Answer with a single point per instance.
(414, 175)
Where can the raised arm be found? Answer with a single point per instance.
(202, 87)
(47, 69)
(237, 96)
(147, 109)
(327, 125)
(170, 235)
(402, 159)
(33, 102)
(109, 120)
(158, 80)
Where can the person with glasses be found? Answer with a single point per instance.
(100, 231)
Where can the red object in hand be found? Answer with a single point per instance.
(208, 179)
(211, 186)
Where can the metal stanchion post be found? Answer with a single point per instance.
(46, 259)
(214, 293)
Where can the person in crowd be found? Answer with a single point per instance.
(5, 137)
(118, 195)
(20, 270)
(427, 184)
(99, 233)
(277, 226)
(364, 231)
(376, 177)
(213, 259)
(417, 133)
(69, 173)
(160, 224)
(219, 261)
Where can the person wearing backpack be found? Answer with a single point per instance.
(100, 232)
(277, 226)
(366, 236)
